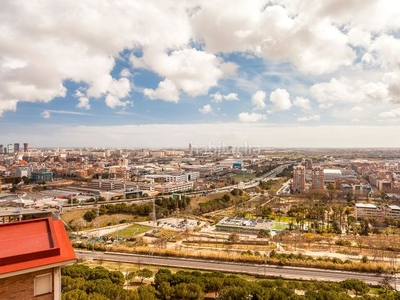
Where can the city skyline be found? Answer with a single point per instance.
(298, 74)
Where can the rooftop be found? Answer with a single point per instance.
(33, 244)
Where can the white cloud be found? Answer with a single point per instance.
(192, 71)
(258, 100)
(79, 42)
(166, 91)
(384, 50)
(125, 73)
(117, 90)
(302, 103)
(245, 117)
(309, 118)
(206, 109)
(280, 99)
(356, 109)
(218, 97)
(392, 82)
(46, 114)
(359, 37)
(266, 31)
(347, 90)
(83, 103)
(83, 100)
(393, 114)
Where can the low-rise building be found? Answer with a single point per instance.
(243, 225)
(30, 264)
(173, 187)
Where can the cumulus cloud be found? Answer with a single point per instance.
(346, 90)
(83, 100)
(189, 70)
(78, 42)
(392, 114)
(192, 45)
(83, 103)
(302, 103)
(117, 90)
(280, 99)
(266, 31)
(246, 117)
(125, 73)
(218, 97)
(258, 100)
(166, 91)
(206, 109)
(309, 118)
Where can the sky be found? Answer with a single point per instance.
(146, 73)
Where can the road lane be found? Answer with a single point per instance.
(253, 269)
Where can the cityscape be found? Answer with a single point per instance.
(335, 209)
(178, 150)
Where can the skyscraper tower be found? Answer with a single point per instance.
(1, 149)
(16, 147)
(190, 149)
(299, 179)
(26, 147)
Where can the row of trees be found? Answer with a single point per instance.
(81, 282)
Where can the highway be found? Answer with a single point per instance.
(252, 269)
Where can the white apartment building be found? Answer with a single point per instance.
(22, 171)
(174, 187)
(364, 211)
(175, 177)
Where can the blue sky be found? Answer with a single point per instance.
(157, 74)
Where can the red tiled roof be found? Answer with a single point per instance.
(33, 243)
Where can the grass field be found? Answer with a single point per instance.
(132, 231)
(279, 226)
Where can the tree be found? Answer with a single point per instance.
(359, 287)
(75, 295)
(147, 292)
(90, 215)
(234, 293)
(165, 291)
(188, 291)
(266, 212)
(214, 284)
(143, 274)
(233, 237)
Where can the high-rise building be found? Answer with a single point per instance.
(26, 147)
(10, 148)
(190, 149)
(299, 179)
(317, 178)
(16, 147)
(1, 149)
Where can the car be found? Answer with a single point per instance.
(16, 211)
